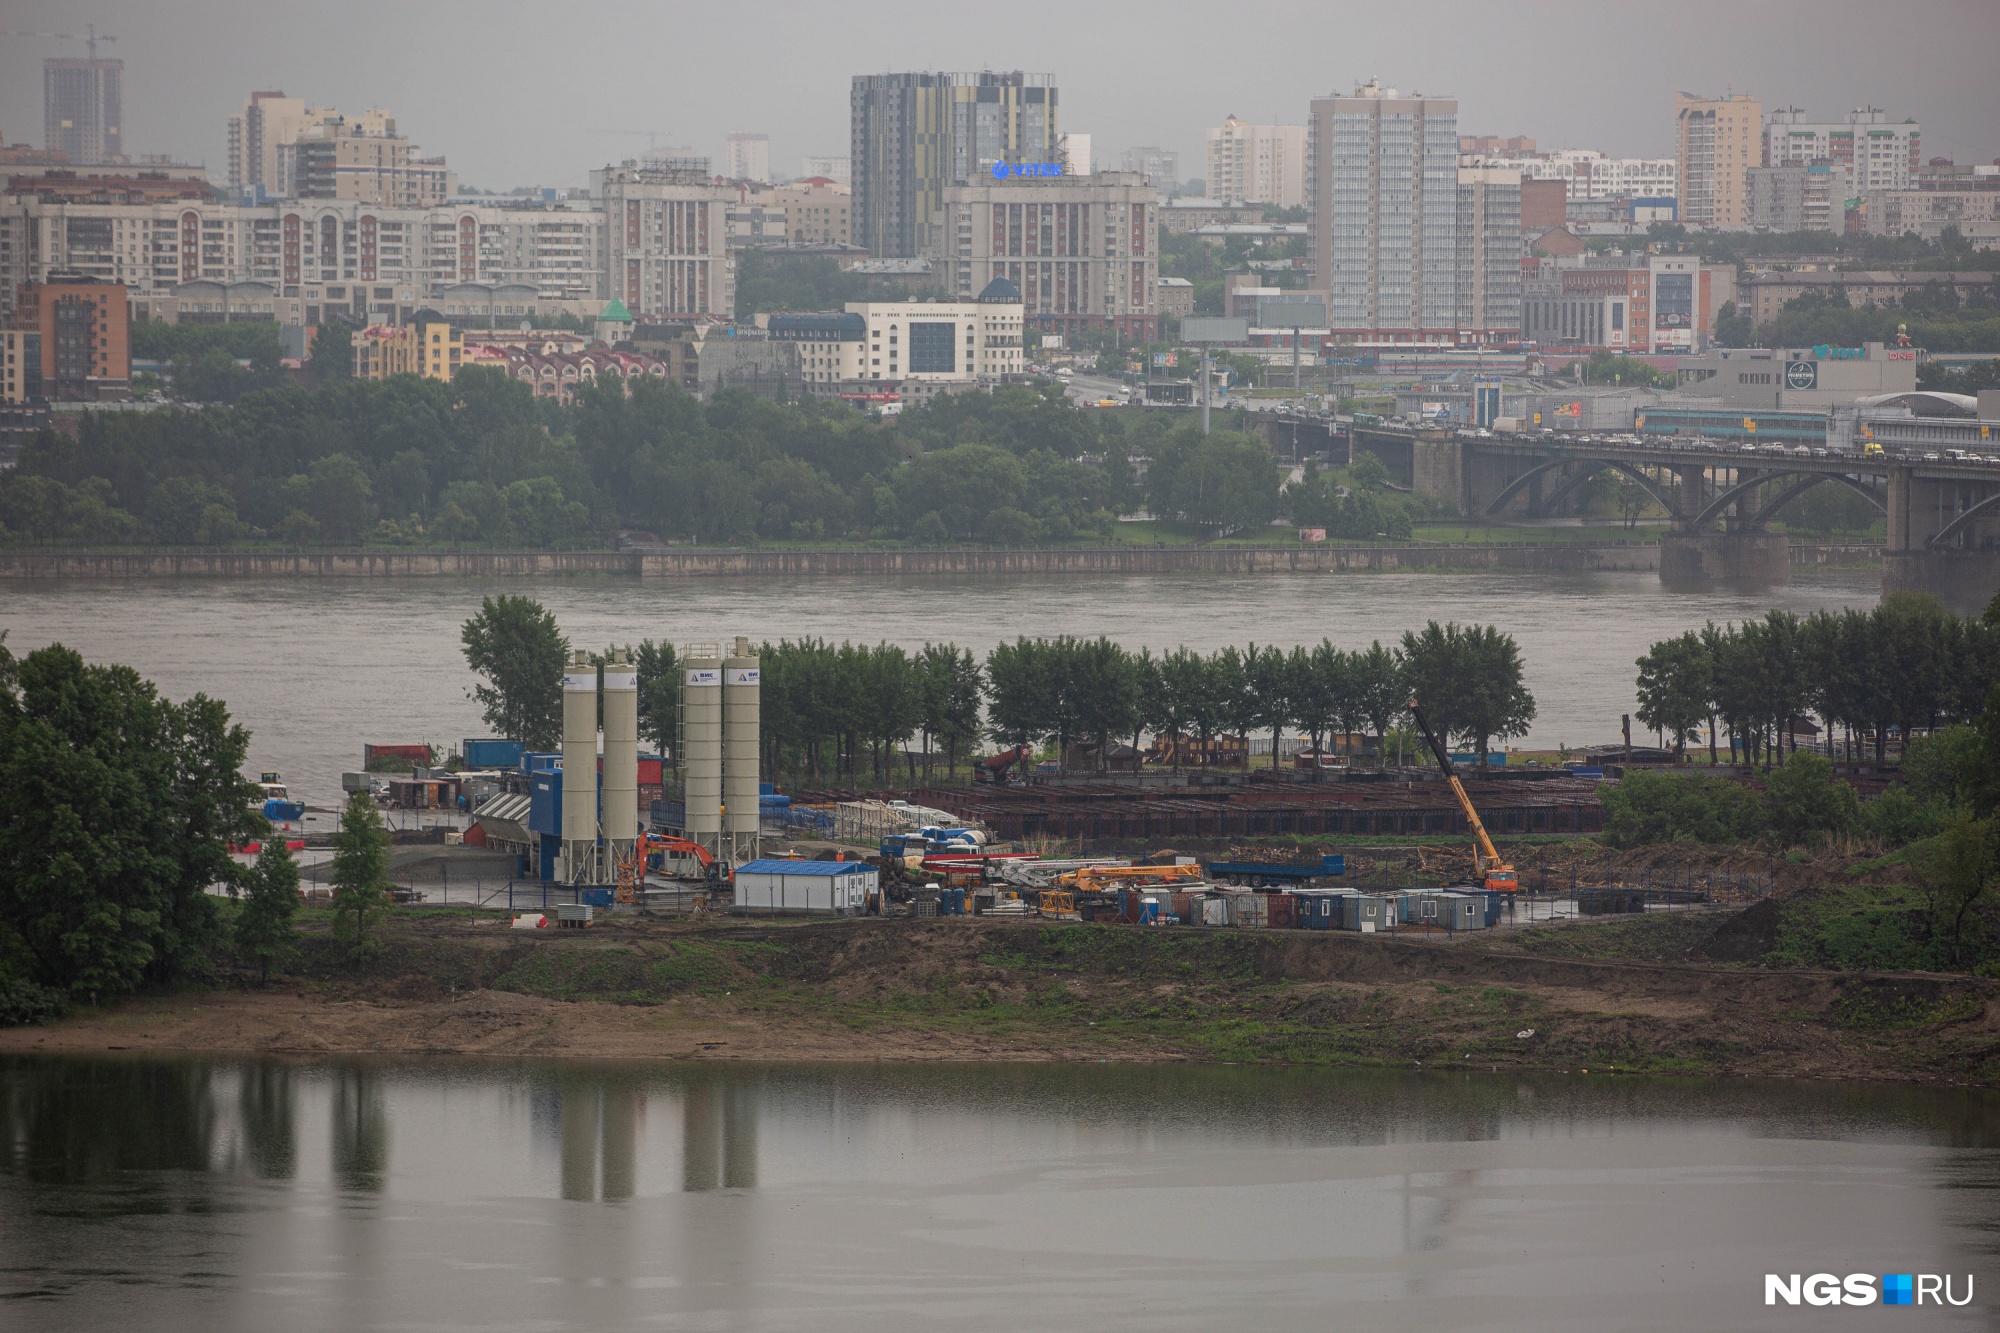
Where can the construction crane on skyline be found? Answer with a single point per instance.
(90, 37)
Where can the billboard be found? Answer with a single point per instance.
(1233, 331)
(1673, 301)
(1291, 312)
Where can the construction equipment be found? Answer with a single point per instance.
(998, 768)
(1494, 873)
(1094, 879)
(90, 36)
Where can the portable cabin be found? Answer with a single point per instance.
(1367, 912)
(1447, 911)
(833, 888)
(1320, 909)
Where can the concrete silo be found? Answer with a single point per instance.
(579, 785)
(701, 746)
(621, 762)
(741, 720)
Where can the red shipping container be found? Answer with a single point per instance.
(1282, 911)
(416, 754)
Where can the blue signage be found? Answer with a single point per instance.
(1826, 353)
(1002, 170)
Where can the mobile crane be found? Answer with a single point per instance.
(1493, 872)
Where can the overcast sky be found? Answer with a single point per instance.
(518, 93)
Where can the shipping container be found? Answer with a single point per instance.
(1248, 910)
(1319, 909)
(1446, 911)
(1214, 910)
(1282, 911)
(490, 752)
(416, 754)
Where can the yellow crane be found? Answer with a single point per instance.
(1493, 872)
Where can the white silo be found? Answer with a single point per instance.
(741, 719)
(579, 787)
(621, 763)
(701, 745)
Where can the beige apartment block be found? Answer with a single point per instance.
(1720, 140)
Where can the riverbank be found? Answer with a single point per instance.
(701, 562)
(1625, 996)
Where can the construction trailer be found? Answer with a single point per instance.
(1367, 912)
(830, 888)
(1445, 911)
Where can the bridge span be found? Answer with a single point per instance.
(1942, 508)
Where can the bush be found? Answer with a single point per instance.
(1647, 808)
(1897, 818)
(1805, 801)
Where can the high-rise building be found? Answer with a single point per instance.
(1081, 250)
(1259, 164)
(747, 157)
(1799, 196)
(1382, 207)
(83, 109)
(1489, 254)
(280, 148)
(833, 168)
(1866, 151)
(1720, 140)
(667, 239)
(267, 121)
(917, 134)
(1589, 174)
(1075, 154)
(1162, 166)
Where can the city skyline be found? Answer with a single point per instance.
(181, 86)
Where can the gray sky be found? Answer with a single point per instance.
(533, 93)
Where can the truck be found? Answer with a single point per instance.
(1493, 871)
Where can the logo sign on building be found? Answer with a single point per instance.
(701, 676)
(1801, 374)
(1002, 170)
(1901, 354)
(1826, 353)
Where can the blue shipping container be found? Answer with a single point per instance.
(540, 761)
(490, 753)
(545, 804)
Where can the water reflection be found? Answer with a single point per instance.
(226, 1196)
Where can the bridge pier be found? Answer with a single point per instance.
(1963, 572)
(1693, 561)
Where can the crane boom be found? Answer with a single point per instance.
(1494, 872)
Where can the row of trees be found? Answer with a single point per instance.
(836, 711)
(1908, 665)
(117, 812)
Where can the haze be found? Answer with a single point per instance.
(536, 94)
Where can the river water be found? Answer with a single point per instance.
(218, 1196)
(317, 668)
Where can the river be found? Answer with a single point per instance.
(219, 1196)
(315, 669)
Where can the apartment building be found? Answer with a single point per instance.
(1720, 139)
(747, 157)
(1975, 213)
(83, 109)
(429, 347)
(667, 239)
(268, 120)
(1382, 204)
(1796, 197)
(1081, 251)
(84, 325)
(1635, 303)
(20, 366)
(1866, 151)
(915, 135)
(1259, 164)
(818, 211)
(1591, 175)
(1488, 252)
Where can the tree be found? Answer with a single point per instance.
(1468, 679)
(1805, 800)
(1732, 326)
(116, 811)
(514, 643)
(659, 694)
(948, 689)
(264, 931)
(1228, 479)
(1675, 680)
(1381, 690)
(1275, 689)
(332, 352)
(1956, 873)
(360, 870)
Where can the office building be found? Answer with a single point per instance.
(1382, 203)
(1720, 140)
(667, 239)
(428, 346)
(914, 349)
(1645, 304)
(747, 157)
(1081, 251)
(83, 109)
(914, 135)
(1488, 251)
(818, 211)
(1176, 298)
(1865, 151)
(84, 325)
(1259, 164)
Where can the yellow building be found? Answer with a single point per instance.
(430, 348)
(1721, 138)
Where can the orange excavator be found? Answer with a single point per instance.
(1494, 873)
(632, 875)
